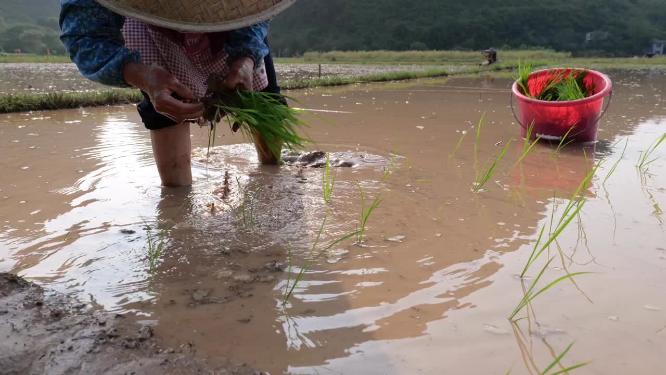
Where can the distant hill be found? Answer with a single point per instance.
(616, 27)
(597, 27)
(28, 11)
(30, 26)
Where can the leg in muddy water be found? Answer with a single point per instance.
(172, 150)
(263, 152)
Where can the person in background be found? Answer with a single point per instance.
(168, 52)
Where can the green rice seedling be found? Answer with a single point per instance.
(614, 167)
(570, 89)
(564, 85)
(646, 156)
(365, 214)
(458, 144)
(557, 361)
(257, 114)
(479, 126)
(528, 144)
(532, 292)
(564, 141)
(483, 178)
(154, 248)
(247, 205)
(328, 181)
(313, 256)
(524, 72)
(388, 170)
(570, 212)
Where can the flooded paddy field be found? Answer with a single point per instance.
(40, 78)
(246, 265)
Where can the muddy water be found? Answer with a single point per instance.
(430, 288)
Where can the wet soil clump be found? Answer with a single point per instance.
(41, 333)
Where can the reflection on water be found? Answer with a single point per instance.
(431, 287)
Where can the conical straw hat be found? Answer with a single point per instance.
(201, 15)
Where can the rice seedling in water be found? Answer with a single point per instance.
(570, 212)
(460, 141)
(532, 292)
(646, 156)
(247, 205)
(564, 141)
(528, 144)
(479, 126)
(365, 214)
(614, 167)
(328, 181)
(483, 178)
(154, 248)
(313, 256)
(557, 361)
(388, 170)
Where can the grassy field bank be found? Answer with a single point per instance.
(34, 59)
(536, 57)
(464, 62)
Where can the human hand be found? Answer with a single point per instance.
(240, 75)
(160, 85)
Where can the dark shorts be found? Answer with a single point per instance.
(155, 121)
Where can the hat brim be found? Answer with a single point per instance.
(202, 27)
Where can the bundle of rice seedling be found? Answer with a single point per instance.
(256, 114)
(558, 85)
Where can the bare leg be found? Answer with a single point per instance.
(172, 149)
(263, 152)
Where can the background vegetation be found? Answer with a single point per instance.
(30, 26)
(617, 27)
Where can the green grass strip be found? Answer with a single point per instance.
(24, 102)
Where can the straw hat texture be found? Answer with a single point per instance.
(198, 15)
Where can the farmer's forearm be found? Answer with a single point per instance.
(248, 42)
(135, 75)
(93, 38)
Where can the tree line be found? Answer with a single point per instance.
(584, 27)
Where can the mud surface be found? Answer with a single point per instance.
(431, 285)
(51, 334)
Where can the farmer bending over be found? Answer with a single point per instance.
(168, 52)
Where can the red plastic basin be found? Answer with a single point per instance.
(578, 120)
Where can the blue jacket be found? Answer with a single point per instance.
(93, 38)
